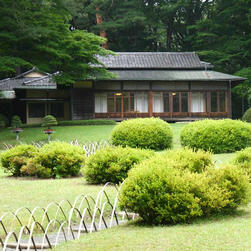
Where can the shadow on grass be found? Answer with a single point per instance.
(243, 212)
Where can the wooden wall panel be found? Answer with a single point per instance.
(82, 102)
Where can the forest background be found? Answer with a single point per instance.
(63, 35)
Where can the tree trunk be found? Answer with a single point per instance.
(102, 32)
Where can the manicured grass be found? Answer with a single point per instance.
(176, 127)
(216, 233)
(63, 133)
(31, 193)
(222, 233)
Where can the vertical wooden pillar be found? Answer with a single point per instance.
(180, 101)
(150, 104)
(71, 101)
(171, 103)
(189, 100)
(209, 102)
(218, 101)
(122, 106)
(229, 100)
(190, 103)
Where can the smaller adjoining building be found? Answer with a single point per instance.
(172, 86)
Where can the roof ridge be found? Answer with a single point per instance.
(4, 80)
(22, 74)
(41, 78)
(165, 52)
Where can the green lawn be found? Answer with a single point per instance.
(228, 233)
(64, 133)
(216, 233)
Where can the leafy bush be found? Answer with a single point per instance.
(149, 133)
(160, 195)
(49, 121)
(56, 160)
(87, 122)
(112, 164)
(188, 159)
(4, 120)
(218, 136)
(163, 194)
(247, 115)
(16, 122)
(234, 184)
(243, 160)
(15, 158)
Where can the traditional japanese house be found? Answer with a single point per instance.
(172, 86)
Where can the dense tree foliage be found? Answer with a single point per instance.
(53, 35)
(38, 33)
(219, 30)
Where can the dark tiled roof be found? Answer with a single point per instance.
(44, 82)
(174, 75)
(21, 82)
(154, 60)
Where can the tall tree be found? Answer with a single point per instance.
(224, 38)
(38, 33)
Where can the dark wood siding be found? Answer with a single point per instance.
(82, 102)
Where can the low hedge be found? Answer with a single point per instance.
(243, 160)
(112, 164)
(31, 125)
(217, 136)
(14, 159)
(149, 133)
(86, 122)
(76, 123)
(247, 115)
(163, 194)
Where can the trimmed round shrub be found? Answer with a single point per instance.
(14, 159)
(56, 160)
(149, 133)
(243, 160)
(162, 194)
(112, 164)
(49, 121)
(16, 122)
(4, 120)
(217, 136)
(188, 159)
(247, 115)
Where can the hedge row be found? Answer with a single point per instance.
(53, 160)
(87, 122)
(76, 123)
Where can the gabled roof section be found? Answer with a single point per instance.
(154, 60)
(32, 79)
